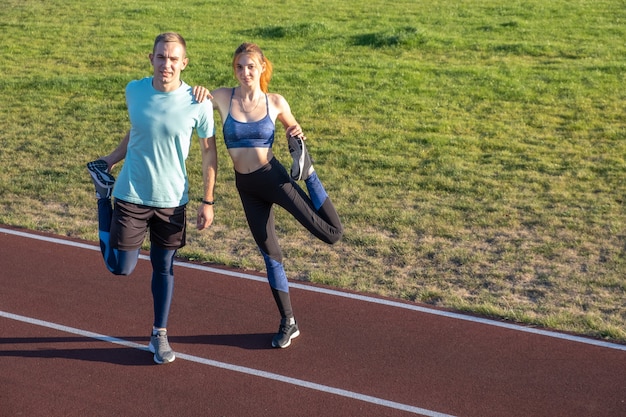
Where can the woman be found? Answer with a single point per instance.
(248, 114)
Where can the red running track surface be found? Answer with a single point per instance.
(73, 343)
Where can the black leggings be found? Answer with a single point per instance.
(271, 184)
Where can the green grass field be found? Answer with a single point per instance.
(476, 150)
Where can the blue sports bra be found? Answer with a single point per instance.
(259, 134)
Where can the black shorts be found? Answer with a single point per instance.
(131, 222)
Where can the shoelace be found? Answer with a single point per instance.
(162, 342)
(285, 328)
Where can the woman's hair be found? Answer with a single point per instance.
(255, 50)
(170, 37)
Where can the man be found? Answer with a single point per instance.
(151, 191)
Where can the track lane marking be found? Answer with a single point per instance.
(234, 368)
(390, 303)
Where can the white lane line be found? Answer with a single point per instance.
(456, 316)
(234, 368)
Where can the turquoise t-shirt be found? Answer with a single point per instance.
(154, 172)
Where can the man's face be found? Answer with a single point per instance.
(168, 60)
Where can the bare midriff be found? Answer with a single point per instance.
(247, 160)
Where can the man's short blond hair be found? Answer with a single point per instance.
(170, 37)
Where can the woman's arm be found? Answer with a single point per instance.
(284, 115)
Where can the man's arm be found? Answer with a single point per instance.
(118, 153)
(209, 174)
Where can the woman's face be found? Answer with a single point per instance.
(248, 70)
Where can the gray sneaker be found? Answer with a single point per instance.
(302, 163)
(161, 348)
(99, 171)
(286, 332)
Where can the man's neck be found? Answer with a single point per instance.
(166, 87)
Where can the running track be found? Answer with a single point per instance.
(73, 342)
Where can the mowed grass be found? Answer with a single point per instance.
(475, 150)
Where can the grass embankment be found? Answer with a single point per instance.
(475, 150)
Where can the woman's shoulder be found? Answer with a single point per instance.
(277, 100)
(222, 91)
(275, 96)
(221, 97)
